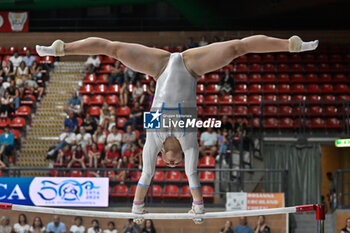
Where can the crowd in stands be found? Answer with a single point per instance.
(57, 226)
(243, 227)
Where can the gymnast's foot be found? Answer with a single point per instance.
(56, 49)
(197, 209)
(296, 45)
(139, 208)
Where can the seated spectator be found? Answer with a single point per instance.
(5, 226)
(208, 141)
(92, 63)
(10, 70)
(224, 145)
(22, 226)
(124, 164)
(243, 227)
(129, 75)
(99, 138)
(226, 125)
(78, 225)
(117, 74)
(74, 104)
(32, 86)
(95, 228)
(150, 92)
(37, 226)
(124, 94)
(191, 43)
(56, 226)
(15, 59)
(71, 121)
(35, 71)
(111, 157)
(131, 227)
(106, 116)
(7, 140)
(7, 105)
(2, 72)
(227, 228)
(138, 93)
(28, 59)
(226, 83)
(64, 155)
(114, 138)
(14, 93)
(142, 139)
(66, 137)
(262, 227)
(129, 138)
(94, 155)
(148, 227)
(77, 157)
(22, 73)
(83, 139)
(136, 116)
(137, 155)
(89, 124)
(111, 228)
(346, 229)
(203, 41)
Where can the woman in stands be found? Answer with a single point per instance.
(176, 74)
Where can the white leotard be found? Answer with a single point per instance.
(175, 91)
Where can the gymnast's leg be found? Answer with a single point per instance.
(140, 58)
(214, 56)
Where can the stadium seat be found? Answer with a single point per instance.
(28, 100)
(178, 49)
(241, 68)
(47, 60)
(268, 58)
(296, 68)
(240, 99)
(297, 78)
(241, 88)
(340, 78)
(160, 162)
(280, 58)
(200, 99)
(298, 88)
(254, 99)
(299, 97)
(294, 58)
(100, 89)
(112, 100)
(207, 176)
(315, 110)
(255, 88)
(310, 68)
(311, 78)
(105, 69)
(123, 111)
(208, 191)
(269, 98)
(286, 123)
(269, 78)
(211, 99)
(166, 48)
(158, 176)
(270, 123)
(75, 173)
(283, 88)
(120, 190)
(86, 89)
(328, 98)
(282, 68)
(327, 88)
(85, 99)
(5, 121)
(243, 78)
(16, 134)
(23, 51)
(313, 98)
(213, 78)
(210, 111)
(285, 110)
(108, 60)
(330, 110)
(255, 78)
(200, 111)
(312, 88)
(11, 50)
(269, 68)
(207, 161)
(94, 111)
(97, 100)
(255, 122)
(18, 122)
(283, 78)
(341, 88)
(322, 58)
(325, 78)
(185, 192)
(344, 97)
(333, 123)
(90, 174)
(310, 58)
(171, 191)
(269, 88)
(132, 190)
(241, 59)
(52, 173)
(284, 97)
(121, 121)
(324, 68)
(337, 68)
(2, 51)
(155, 191)
(270, 110)
(316, 123)
(23, 111)
(136, 175)
(226, 99)
(173, 176)
(225, 111)
(200, 88)
(240, 110)
(255, 68)
(254, 58)
(255, 110)
(102, 79)
(212, 88)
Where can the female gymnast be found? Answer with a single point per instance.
(176, 75)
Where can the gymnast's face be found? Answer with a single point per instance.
(172, 152)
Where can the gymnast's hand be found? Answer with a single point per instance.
(197, 209)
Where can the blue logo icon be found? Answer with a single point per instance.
(151, 120)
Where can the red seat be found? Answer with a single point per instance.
(173, 176)
(299, 97)
(241, 78)
(241, 88)
(241, 110)
(255, 78)
(297, 78)
(213, 78)
(90, 79)
(269, 68)
(200, 88)
(212, 99)
(97, 100)
(298, 88)
(23, 111)
(286, 110)
(254, 58)
(241, 99)
(284, 97)
(112, 100)
(90, 173)
(212, 88)
(327, 88)
(241, 59)
(241, 68)
(16, 134)
(316, 123)
(202, 79)
(2, 50)
(333, 123)
(178, 49)
(255, 110)
(341, 88)
(270, 110)
(294, 58)
(132, 190)
(85, 99)
(200, 99)
(255, 88)
(226, 99)
(270, 98)
(282, 68)
(75, 173)
(271, 123)
(269, 88)
(315, 110)
(52, 173)
(255, 122)
(296, 68)
(47, 60)
(208, 191)
(4, 122)
(344, 97)
(255, 68)
(287, 123)
(308, 58)
(322, 58)
(207, 176)
(340, 78)
(158, 176)
(325, 78)
(120, 190)
(269, 78)
(337, 68)
(226, 111)
(200, 110)
(336, 58)
(283, 88)
(310, 68)
(281, 58)
(136, 175)
(207, 161)
(330, 110)
(311, 78)
(123, 111)
(165, 47)
(283, 78)
(324, 68)
(108, 59)
(253, 99)
(313, 98)
(160, 162)
(113, 89)
(11, 50)
(211, 111)
(121, 121)
(185, 192)
(102, 79)
(268, 58)
(313, 88)
(171, 191)
(86, 89)
(328, 98)
(94, 111)
(155, 190)
(105, 69)
(18, 122)
(100, 89)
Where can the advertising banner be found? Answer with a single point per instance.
(14, 21)
(55, 191)
(253, 201)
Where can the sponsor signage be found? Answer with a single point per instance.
(55, 191)
(14, 21)
(253, 201)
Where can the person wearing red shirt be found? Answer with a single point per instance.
(123, 164)
(94, 155)
(111, 157)
(78, 157)
(137, 155)
(64, 155)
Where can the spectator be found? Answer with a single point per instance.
(111, 228)
(240, 127)
(14, 93)
(191, 43)
(35, 71)
(243, 227)
(3, 162)
(114, 138)
(38, 226)
(262, 227)
(142, 139)
(77, 157)
(148, 227)
(95, 228)
(10, 70)
(138, 93)
(7, 105)
(89, 124)
(226, 83)
(123, 164)
(99, 137)
(32, 86)
(7, 140)
(94, 155)
(150, 92)
(92, 63)
(137, 155)
(224, 145)
(2, 72)
(129, 75)
(75, 104)
(346, 229)
(22, 226)
(5, 226)
(117, 74)
(226, 125)
(136, 116)
(106, 116)
(64, 155)
(129, 138)
(56, 226)
(203, 41)
(15, 59)
(227, 228)
(78, 225)
(28, 59)
(131, 227)
(83, 139)
(124, 94)
(22, 73)
(208, 141)
(66, 137)
(111, 157)
(71, 121)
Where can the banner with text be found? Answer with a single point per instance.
(14, 21)
(55, 191)
(253, 201)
